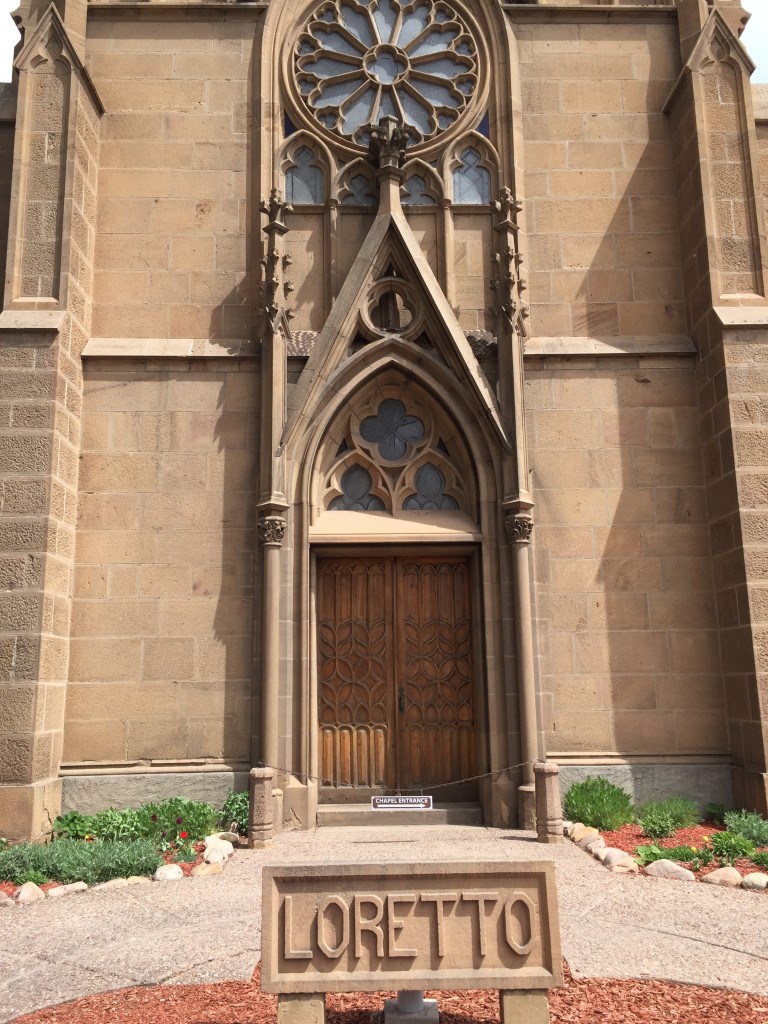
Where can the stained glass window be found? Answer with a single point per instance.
(471, 182)
(356, 495)
(304, 182)
(430, 493)
(392, 430)
(359, 60)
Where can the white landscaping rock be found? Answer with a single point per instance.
(588, 839)
(628, 866)
(204, 870)
(574, 826)
(613, 856)
(65, 890)
(29, 893)
(138, 879)
(669, 869)
(595, 845)
(230, 837)
(113, 883)
(168, 873)
(723, 876)
(567, 826)
(584, 832)
(215, 842)
(5, 901)
(756, 880)
(215, 855)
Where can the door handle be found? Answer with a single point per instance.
(401, 700)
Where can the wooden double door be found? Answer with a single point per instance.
(395, 677)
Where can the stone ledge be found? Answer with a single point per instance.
(742, 316)
(760, 101)
(673, 345)
(31, 326)
(170, 348)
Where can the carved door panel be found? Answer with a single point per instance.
(355, 675)
(436, 734)
(394, 676)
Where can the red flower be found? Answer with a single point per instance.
(183, 835)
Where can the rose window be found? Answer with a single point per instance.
(360, 60)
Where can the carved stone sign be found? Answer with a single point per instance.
(367, 927)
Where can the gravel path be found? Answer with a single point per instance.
(209, 929)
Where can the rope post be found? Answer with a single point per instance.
(549, 814)
(260, 813)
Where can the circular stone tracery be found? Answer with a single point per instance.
(360, 60)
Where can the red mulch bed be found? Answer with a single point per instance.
(583, 1001)
(629, 837)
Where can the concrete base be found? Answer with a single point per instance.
(523, 1007)
(338, 815)
(91, 793)
(704, 783)
(428, 1014)
(300, 1008)
(27, 812)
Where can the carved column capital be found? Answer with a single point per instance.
(519, 527)
(271, 531)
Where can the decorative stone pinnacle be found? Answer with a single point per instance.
(275, 208)
(519, 527)
(272, 530)
(388, 143)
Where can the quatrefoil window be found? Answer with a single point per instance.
(360, 60)
(394, 457)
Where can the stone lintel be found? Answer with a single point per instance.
(170, 348)
(743, 316)
(26, 327)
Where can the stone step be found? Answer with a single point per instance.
(342, 815)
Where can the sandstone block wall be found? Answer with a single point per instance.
(162, 623)
(600, 193)
(173, 252)
(628, 642)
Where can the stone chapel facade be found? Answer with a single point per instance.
(383, 398)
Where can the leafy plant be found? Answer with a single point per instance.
(761, 859)
(73, 825)
(31, 875)
(714, 813)
(176, 821)
(657, 822)
(684, 854)
(748, 824)
(112, 825)
(236, 808)
(599, 803)
(648, 854)
(729, 846)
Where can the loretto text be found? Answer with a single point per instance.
(353, 924)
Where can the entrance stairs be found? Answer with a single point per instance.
(342, 815)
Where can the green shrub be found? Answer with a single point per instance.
(72, 860)
(597, 802)
(748, 824)
(683, 813)
(761, 859)
(684, 854)
(236, 808)
(714, 813)
(657, 823)
(729, 846)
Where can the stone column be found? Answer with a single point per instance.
(260, 816)
(549, 813)
(519, 527)
(271, 533)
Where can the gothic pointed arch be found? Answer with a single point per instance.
(304, 166)
(470, 170)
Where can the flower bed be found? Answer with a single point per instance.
(630, 837)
